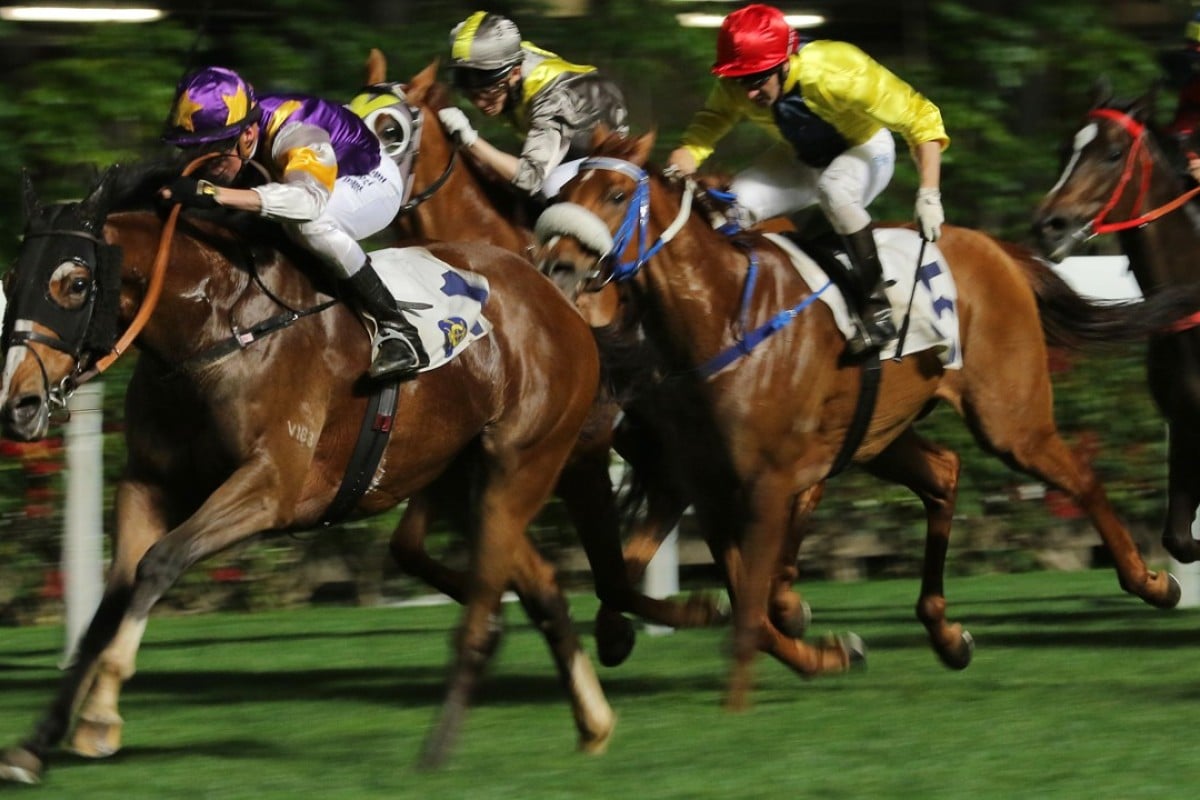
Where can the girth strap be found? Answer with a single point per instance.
(864, 409)
(368, 451)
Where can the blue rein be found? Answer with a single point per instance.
(636, 220)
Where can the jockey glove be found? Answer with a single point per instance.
(457, 125)
(192, 193)
(929, 213)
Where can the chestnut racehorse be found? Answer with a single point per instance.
(226, 439)
(1119, 179)
(771, 424)
(453, 201)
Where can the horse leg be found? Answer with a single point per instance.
(1183, 493)
(586, 490)
(787, 610)
(408, 550)
(140, 523)
(751, 566)
(512, 497)
(242, 506)
(931, 472)
(1018, 424)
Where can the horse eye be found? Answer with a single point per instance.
(1115, 155)
(616, 197)
(79, 286)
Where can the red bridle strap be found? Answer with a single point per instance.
(1136, 131)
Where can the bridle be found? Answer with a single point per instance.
(1138, 154)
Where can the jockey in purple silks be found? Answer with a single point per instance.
(330, 187)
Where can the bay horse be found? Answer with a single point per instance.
(228, 439)
(453, 201)
(1117, 178)
(773, 422)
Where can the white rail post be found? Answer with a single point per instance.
(83, 523)
(662, 576)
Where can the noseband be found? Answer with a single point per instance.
(1139, 151)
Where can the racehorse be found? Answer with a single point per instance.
(452, 201)
(1117, 178)
(780, 414)
(242, 414)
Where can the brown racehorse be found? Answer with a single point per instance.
(453, 201)
(779, 416)
(225, 442)
(1119, 179)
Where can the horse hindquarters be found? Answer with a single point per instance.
(1004, 393)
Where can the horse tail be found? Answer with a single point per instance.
(1076, 322)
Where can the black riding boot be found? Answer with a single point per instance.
(874, 312)
(399, 352)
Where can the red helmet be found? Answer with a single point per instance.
(753, 39)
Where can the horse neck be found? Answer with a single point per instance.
(203, 294)
(694, 283)
(460, 208)
(1162, 253)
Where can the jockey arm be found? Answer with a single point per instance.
(304, 156)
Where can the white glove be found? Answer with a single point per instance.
(457, 125)
(929, 213)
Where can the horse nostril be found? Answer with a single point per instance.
(25, 407)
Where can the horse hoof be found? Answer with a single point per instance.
(615, 637)
(598, 744)
(960, 656)
(96, 739)
(855, 649)
(793, 617)
(18, 765)
(1174, 592)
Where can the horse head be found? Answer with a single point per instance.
(1114, 177)
(597, 233)
(62, 307)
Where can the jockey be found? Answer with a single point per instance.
(833, 109)
(330, 186)
(554, 104)
(1182, 68)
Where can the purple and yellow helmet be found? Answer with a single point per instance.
(211, 105)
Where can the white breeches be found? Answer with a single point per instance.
(778, 183)
(360, 206)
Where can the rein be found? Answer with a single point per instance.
(158, 276)
(1137, 131)
(431, 189)
(635, 222)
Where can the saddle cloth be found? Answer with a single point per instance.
(934, 323)
(455, 298)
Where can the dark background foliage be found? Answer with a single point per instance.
(1010, 78)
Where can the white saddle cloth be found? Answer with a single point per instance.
(454, 318)
(934, 324)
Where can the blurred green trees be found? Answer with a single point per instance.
(1011, 81)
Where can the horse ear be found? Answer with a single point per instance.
(94, 208)
(428, 76)
(376, 68)
(1144, 107)
(642, 147)
(1102, 92)
(30, 205)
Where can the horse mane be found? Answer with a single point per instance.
(243, 238)
(499, 194)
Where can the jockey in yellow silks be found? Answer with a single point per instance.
(833, 109)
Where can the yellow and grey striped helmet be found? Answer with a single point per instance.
(483, 49)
